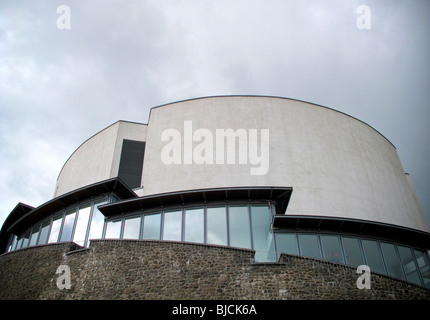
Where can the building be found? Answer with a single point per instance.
(226, 197)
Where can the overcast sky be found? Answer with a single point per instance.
(59, 86)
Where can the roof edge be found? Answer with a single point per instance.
(110, 185)
(272, 97)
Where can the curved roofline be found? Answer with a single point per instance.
(86, 140)
(272, 97)
(220, 96)
(21, 220)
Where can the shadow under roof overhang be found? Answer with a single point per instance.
(353, 226)
(279, 195)
(20, 210)
(113, 185)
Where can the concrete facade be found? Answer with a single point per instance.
(98, 157)
(337, 165)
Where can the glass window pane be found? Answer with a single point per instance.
(392, 262)
(331, 248)
(131, 228)
(55, 229)
(217, 225)
(409, 265)
(151, 226)
(26, 240)
(287, 243)
(373, 256)
(97, 222)
(194, 225)
(113, 229)
(424, 266)
(13, 244)
(172, 225)
(353, 254)
(69, 219)
(309, 246)
(43, 238)
(81, 225)
(262, 236)
(19, 242)
(240, 231)
(34, 236)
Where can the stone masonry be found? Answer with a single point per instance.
(161, 270)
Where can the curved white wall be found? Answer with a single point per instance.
(337, 165)
(97, 159)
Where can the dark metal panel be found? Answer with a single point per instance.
(353, 226)
(131, 162)
(279, 195)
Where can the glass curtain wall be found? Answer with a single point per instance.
(78, 224)
(398, 261)
(242, 226)
(236, 226)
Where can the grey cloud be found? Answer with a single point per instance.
(58, 87)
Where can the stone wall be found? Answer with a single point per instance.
(138, 269)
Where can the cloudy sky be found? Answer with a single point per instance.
(120, 58)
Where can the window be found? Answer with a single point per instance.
(34, 236)
(69, 219)
(81, 225)
(331, 248)
(194, 225)
(353, 254)
(262, 236)
(309, 246)
(113, 229)
(55, 229)
(12, 244)
(19, 242)
(131, 228)
(424, 266)
(240, 231)
(97, 221)
(287, 243)
(409, 265)
(43, 238)
(26, 240)
(373, 256)
(217, 226)
(391, 259)
(151, 226)
(172, 225)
